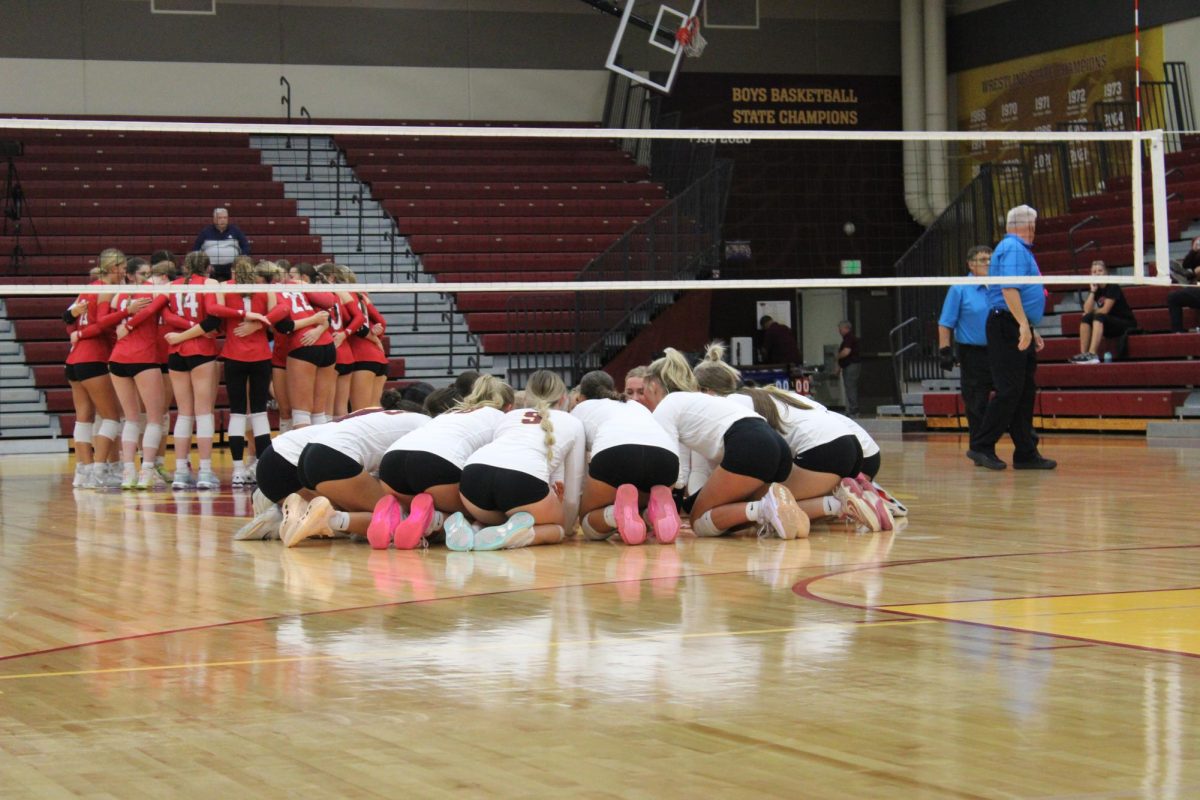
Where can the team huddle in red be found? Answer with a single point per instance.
(134, 353)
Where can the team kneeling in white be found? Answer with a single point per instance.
(491, 473)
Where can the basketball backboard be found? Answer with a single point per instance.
(645, 44)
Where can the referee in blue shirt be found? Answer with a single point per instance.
(964, 316)
(1012, 347)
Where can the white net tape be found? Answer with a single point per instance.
(1147, 148)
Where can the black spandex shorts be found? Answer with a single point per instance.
(373, 367)
(178, 363)
(343, 369)
(870, 465)
(842, 457)
(499, 489)
(753, 449)
(163, 369)
(86, 370)
(319, 355)
(643, 465)
(128, 370)
(414, 471)
(320, 463)
(276, 476)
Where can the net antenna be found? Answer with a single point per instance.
(673, 31)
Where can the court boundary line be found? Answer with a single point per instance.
(803, 589)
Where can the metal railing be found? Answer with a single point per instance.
(971, 219)
(575, 334)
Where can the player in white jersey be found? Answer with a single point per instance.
(633, 464)
(750, 461)
(423, 470)
(525, 485)
(827, 456)
(339, 464)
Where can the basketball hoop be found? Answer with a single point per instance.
(690, 39)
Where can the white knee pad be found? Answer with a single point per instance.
(300, 418)
(320, 419)
(152, 438)
(206, 426)
(183, 427)
(704, 526)
(129, 431)
(83, 432)
(589, 531)
(237, 425)
(260, 424)
(109, 429)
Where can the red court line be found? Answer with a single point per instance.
(803, 589)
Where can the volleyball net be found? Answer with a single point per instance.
(561, 239)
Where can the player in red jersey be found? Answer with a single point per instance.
(277, 273)
(136, 377)
(370, 360)
(247, 357)
(345, 318)
(194, 374)
(91, 388)
(164, 271)
(310, 372)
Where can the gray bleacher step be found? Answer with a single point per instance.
(33, 446)
(22, 395)
(20, 408)
(25, 419)
(9, 349)
(894, 410)
(14, 372)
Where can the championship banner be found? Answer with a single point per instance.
(1084, 87)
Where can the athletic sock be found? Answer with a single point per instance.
(752, 511)
(610, 516)
(831, 505)
(339, 521)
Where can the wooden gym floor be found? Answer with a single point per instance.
(1029, 635)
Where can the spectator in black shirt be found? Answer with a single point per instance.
(778, 343)
(222, 243)
(849, 365)
(1106, 313)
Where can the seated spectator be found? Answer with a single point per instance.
(1106, 313)
(222, 243)
(1177, 300)
(1185, 271)
(778, 343)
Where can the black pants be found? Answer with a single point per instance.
(975, 376)
(1176, 301)
(257, 376)
(1013, 375)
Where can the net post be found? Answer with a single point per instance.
(1136, 202)
(1158, 189)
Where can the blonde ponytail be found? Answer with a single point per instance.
(544, 390)
(672, 372)
(487, 391)
(714, 375)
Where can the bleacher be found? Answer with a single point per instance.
(1161, 370)
(138, 192)
(506, 210)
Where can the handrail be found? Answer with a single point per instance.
(898, 357)
(287, 100)
(308, 142)
(1071, 239)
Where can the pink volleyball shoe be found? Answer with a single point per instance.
(415, 527)
(629, 520)
(387, 515)
(662, 514)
